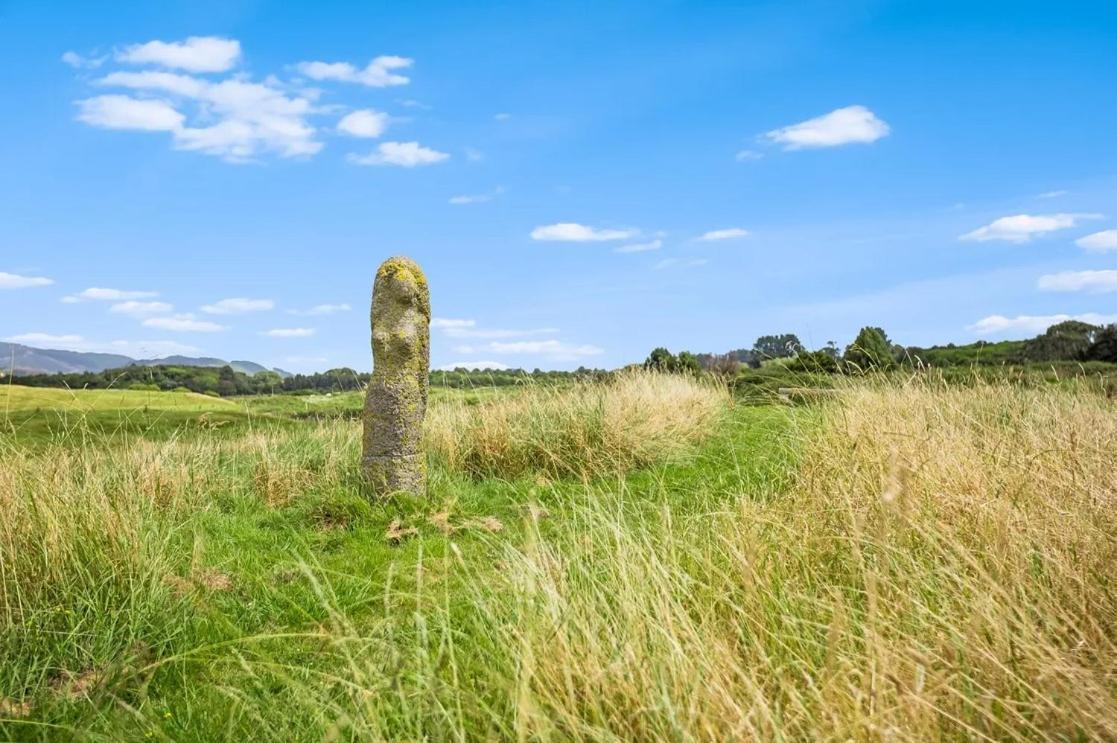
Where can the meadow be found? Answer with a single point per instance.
(641, 559)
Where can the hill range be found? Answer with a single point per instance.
(19, 360)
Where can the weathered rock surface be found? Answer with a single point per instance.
(392, 459)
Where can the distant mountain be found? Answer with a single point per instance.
(20, 359)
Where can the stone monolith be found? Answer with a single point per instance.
(392, 459)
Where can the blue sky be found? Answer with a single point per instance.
(582, 182)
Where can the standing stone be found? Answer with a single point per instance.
(392, 458)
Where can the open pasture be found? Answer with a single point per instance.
(929, 560)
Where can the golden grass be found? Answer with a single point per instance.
(944, 568)
(581, 430)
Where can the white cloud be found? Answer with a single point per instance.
(140, 309)
(150, 349)
(730, 233)
(108, 295)
(185, 323)
(403, 154)
(377, 74)
(365, 123)
(849, 125)
(471, 332)
(137, 349)
(47, 340)
(449, 322)
(1033, 324)
(78, 62)
(471, 199)
(747, 155)
(238, 306)
(1099, 242)
(473, 155)
(669, 262)
(15, 281)
(640, 247)
(1095, 282)
(1052, 194)
(235, 119)
(124, 112)
(196, 54)
(551, 348)
(474, 365)
(321, 309)
(289, 333)
(477, 198)
(574, 232)
(1021, 228)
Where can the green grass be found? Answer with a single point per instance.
(300, 549)
(759, 583)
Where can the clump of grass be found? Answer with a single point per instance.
(583, 430)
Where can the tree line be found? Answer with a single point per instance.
(1072, 341)
(226, 382)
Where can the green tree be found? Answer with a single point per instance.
(1104, 347)
(777, 346)
(687, 363)
(1067, 341)
(871, 349)
(661, 360)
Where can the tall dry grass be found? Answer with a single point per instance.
(943, 568)
(94, 540)
(584, 429)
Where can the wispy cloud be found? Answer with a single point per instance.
(474, 366)
(15, 281)
(1094, 282)
(289, 332)
(381, 72)
(1022, 228)
(729, 233)
(238, 306)
(81, 62)
(574, 232)
(71, 342)
(744, 156)
(451, 322)
(402, 154)
(472, 332)
(1099, 242)
(849, 125)
(321, 309)
(140, 309)
(640, 247)
(185, 323)
(1052, 194)
(673, 262)
(97, 293)
(553, 349)
(1033, 324)
(480, 198)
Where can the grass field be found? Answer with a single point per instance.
(640, 561)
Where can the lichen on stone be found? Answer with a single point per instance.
(396, 402)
